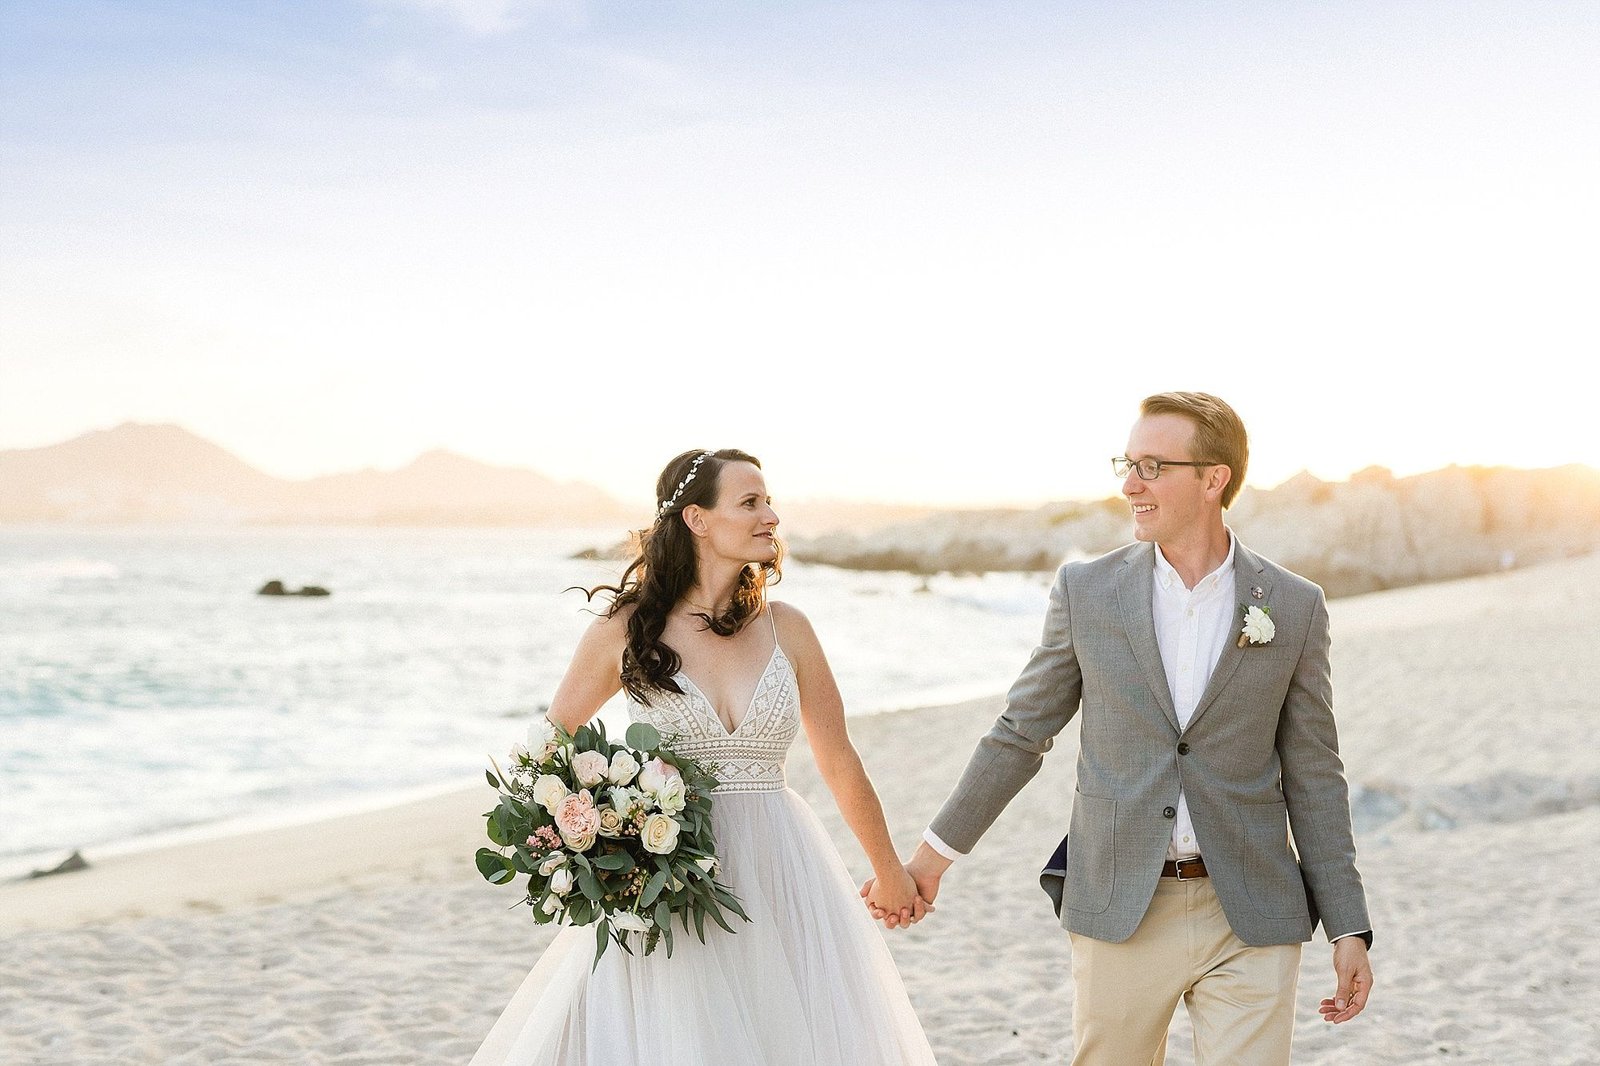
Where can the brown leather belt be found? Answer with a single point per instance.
(1185, 869)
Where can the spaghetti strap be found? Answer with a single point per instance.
(773, 619)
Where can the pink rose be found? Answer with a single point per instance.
(590, 768)
(655, 774)
(578, 820)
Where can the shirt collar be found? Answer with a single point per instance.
(1167, 575)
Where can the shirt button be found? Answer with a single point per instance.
(1169, 812)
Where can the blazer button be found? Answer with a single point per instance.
(1169, 812)
(1183, 748)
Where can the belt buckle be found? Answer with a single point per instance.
(1177, 868)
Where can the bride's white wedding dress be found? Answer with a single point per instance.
(808, 981)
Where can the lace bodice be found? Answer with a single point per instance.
(751, 757)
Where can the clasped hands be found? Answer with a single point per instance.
(902, 897)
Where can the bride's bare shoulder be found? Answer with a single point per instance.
(792, 624)
(609, 629)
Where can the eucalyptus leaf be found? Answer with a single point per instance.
(494, 867)
(496, 831)
(716, 916)
(653, 887)
(643, 736)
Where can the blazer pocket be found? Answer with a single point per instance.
(1271, 872)
(1091, 854)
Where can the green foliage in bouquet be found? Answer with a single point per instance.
(612, 835)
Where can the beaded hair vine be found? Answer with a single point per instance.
(666, 504)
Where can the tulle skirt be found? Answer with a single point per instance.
(808, 981)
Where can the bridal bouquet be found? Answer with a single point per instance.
(613, 835)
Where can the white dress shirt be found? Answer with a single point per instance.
(1193, 626)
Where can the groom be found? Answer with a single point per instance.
(1207, 736)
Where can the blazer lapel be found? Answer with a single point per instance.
(1248, 572)
(1135, 587)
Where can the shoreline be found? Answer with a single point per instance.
(288, 855)
(16, 868)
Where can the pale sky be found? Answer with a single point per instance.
(927, 252)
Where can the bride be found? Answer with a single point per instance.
(729, 677)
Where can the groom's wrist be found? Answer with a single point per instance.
(928, 859)
(931, 841)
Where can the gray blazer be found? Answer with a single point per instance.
(1259, 758)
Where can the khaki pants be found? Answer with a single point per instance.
(1240, 998)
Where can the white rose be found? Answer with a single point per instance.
(552, 905)
(590, 768)
(629, 922)
(673, 795)
(654, 775)
(548, 792)
(623, 767)
(709, 866)
(659, 835)
(1258, 627)
(542, 741)
(552, 864)
(611, 823)
(561, 881)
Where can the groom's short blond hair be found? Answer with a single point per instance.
(1219, 435)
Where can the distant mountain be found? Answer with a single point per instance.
(164, 474)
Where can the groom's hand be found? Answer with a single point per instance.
(1354, 971)
(926, 868)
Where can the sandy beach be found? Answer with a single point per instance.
(1466, 712)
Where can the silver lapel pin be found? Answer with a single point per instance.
(1256, 592)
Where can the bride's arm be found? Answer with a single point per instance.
(593, 676)
(822, 713)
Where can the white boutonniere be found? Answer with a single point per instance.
(1258, 627)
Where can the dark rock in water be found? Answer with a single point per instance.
(587, 555)
(72, 862)
(275, 588)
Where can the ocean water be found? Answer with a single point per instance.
(145, 688)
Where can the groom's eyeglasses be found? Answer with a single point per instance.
(1149, 469)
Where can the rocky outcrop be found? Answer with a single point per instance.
(276, 588)
(1372, 532)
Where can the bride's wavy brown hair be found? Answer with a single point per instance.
(665, 569)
